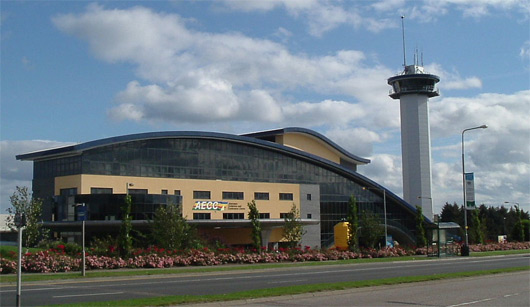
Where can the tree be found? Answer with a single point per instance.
(526, 227)
(125, 239)
(518, 229)
(421, 240)
(490, 221)
(31, 209)
(293, 230)
(170, 230)
(452, 213)
(353, 224)
(371, 229)
(253, 216)
(477, 233)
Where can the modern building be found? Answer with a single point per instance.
(212, 177)
(413, 87)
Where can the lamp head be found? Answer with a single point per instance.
(483, 127)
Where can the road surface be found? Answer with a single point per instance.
(509, 289)
(104, 289)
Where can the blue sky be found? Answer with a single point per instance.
(75, 71)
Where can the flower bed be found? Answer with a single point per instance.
(56, 260)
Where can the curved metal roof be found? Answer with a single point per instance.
(312, 133)
(250, 140)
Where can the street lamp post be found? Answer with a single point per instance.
(384, 210)
(127, 185)
(464, 179)
(82, 216)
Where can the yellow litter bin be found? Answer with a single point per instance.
(341, 234)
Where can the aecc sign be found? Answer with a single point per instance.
(210, 205)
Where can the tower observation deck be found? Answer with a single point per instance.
(413, 80)
(413, 87)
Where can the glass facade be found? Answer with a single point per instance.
(105, 207)
(220, 159)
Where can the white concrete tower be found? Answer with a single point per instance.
(413, 87)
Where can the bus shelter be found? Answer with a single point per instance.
(445, 240)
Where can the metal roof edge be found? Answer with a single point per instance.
(312, 133)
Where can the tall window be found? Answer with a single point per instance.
(286, 196)
(233, 195)
(100, 190)
(286, 215)
(233, 216)
(201, 216)
(201, 194)
(138, 191)
(264, 215)
(68, 192)
(261, 196)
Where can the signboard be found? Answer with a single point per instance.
(210, 205)
(470, 191)
(81, 212)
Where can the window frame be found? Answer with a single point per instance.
(286, 196)
(261, 196)
(198, 195)
(228, 195)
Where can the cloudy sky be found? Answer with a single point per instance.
(75, 71)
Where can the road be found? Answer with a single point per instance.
(508, 289)
(104, 289)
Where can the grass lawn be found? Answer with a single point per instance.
(11, 252)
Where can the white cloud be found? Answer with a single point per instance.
(320, 16)
(325, 112)
(525, 51)
(283, 34)
(429, 10)
(356, 140)
(452, 80)
(18, 173)
(186, 72)
(503, 113)
(323, 15)
(291, 5)
(388, 5)
(385, 169)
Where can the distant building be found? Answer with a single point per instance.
(7, 235)
(212, 177)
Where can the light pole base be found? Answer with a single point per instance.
(464, 251)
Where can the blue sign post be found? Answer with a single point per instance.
(81, 212)
(470, 191)
(81, 216)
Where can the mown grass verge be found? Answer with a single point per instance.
(500, 253)
(292, 290)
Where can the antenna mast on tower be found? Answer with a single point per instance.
(403, 33)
